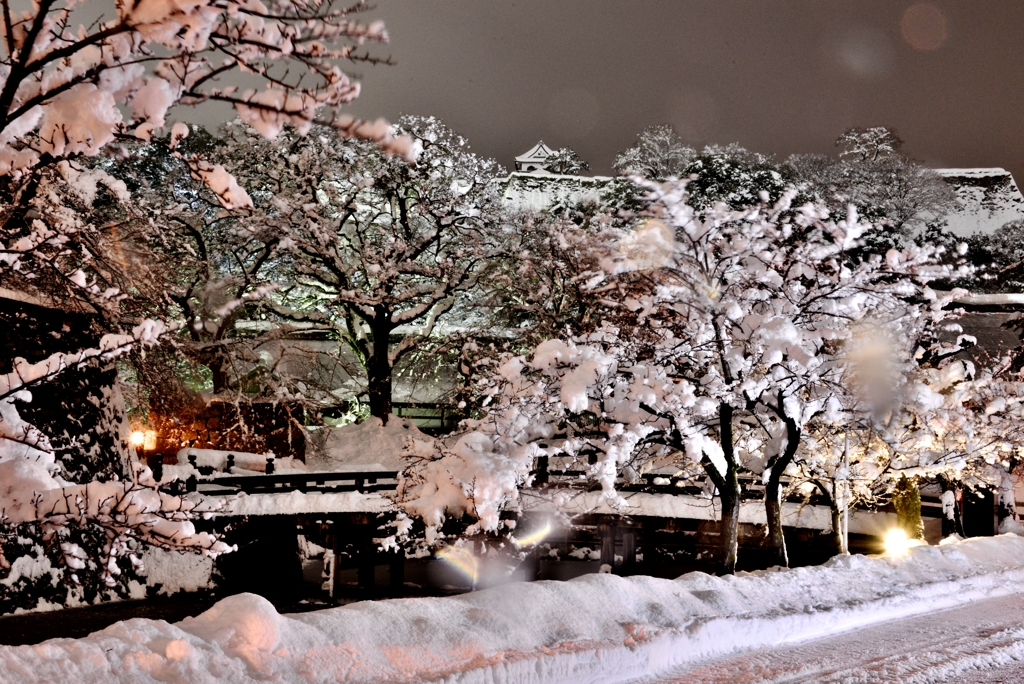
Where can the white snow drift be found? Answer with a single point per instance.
(598, 628)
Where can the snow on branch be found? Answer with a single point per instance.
(64, 86)
(31, 490)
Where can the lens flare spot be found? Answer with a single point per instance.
(534, 537)
(898, 543)
(463, 560)
(924, 27)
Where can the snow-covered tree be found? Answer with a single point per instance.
(380, 249)
(71, 86)
(70, 89)
(123, 510)
(659, 153)
(888, 188)
(733, 175)
(566, 162)
(998, 258)
(869, 144)
(913, 413)
(64, 82)
(224, 261)
(773, 301)
(729, 331)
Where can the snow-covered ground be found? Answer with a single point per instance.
(598, 628)
(982, 641)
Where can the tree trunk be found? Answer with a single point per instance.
(221, 378)
(378, 371)
(952, 522)
(220, 369)
(380, 389)
(773, 513)
(1006, 503)
(773, 495)
(949, 513)
(906, 498)
(729, 494)
(837, 527)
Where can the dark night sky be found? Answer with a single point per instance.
(778, 77)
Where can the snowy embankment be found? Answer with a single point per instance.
(598, 628)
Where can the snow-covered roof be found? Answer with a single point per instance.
(992, 299)
(986, 199)
(972, 173)
(537, 153)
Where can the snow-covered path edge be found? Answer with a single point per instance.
(597, 628)
(650, 656)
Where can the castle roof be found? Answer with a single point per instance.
(538, 153)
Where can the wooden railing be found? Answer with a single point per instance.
(324, 482)
(387, 481)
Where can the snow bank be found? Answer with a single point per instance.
(292, 502)
(597, 628)
(368, 445)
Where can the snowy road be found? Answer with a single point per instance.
(978, 642)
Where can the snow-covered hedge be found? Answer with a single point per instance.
(598, 628)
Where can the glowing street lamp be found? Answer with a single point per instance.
(898, 543)
(144, 440)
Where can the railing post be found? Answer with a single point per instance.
(542, 471)
(397, 573)
(628, 549)
(366, 556)
(607, 545)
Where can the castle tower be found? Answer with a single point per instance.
(533, 161)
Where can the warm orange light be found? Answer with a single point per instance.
(144, 439)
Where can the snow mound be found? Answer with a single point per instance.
(245, 624)
(597, 628)
(369, 445)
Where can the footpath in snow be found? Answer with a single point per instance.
(597, 628)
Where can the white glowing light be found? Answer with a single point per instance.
(897, 543)
(138, 438)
